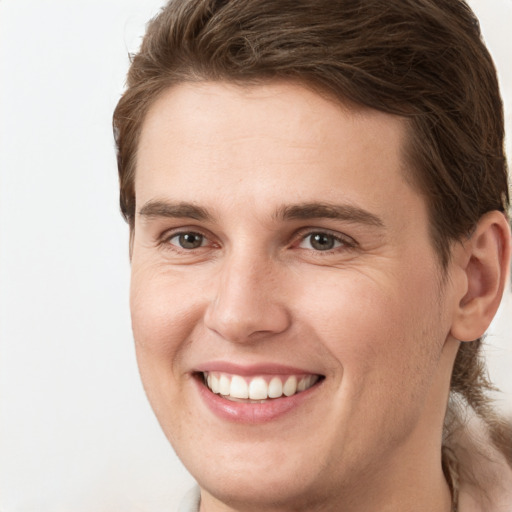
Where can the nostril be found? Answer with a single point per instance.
(251, 327)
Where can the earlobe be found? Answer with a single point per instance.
(486, 263)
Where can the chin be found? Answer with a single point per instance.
(278, 486)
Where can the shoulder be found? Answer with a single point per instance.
(485, 476)
(191, 501)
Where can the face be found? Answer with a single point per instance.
(288, 310)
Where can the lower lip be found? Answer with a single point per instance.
(241, 412)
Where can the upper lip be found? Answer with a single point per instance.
(248, 370)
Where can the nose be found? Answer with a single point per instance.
(248, 301)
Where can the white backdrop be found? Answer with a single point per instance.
(76, 433)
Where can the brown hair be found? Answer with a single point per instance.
(420, 59)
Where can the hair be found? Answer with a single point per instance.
(423, 60)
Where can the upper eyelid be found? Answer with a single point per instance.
(163, 240)
(180, 233)
(172, 232)
(342, 237)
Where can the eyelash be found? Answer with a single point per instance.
(345, 242)
(167, 237)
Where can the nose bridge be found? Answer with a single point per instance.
(246, 301)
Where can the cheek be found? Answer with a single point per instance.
(162, 310)
(386, 342)
(163, 320)
(379, 329)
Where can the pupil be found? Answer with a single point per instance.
(322, 242)
(191, 241)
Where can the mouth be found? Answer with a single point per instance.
(257, 389)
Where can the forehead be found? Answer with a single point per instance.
(199, 111)
(278, 141)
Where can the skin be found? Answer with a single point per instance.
(372, 315)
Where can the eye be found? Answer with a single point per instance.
(188, 240)
(321, 242)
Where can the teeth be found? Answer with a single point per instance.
(215, 384)
(290, 386)
(257, 388)
(238, 388)
(275, 388)
(224, 384)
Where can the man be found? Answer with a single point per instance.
(317, 197)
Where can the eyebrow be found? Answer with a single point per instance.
(154, 209)
(344, 212)
(301, 211)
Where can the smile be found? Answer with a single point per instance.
(257, 389)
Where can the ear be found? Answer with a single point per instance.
(484, 260)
